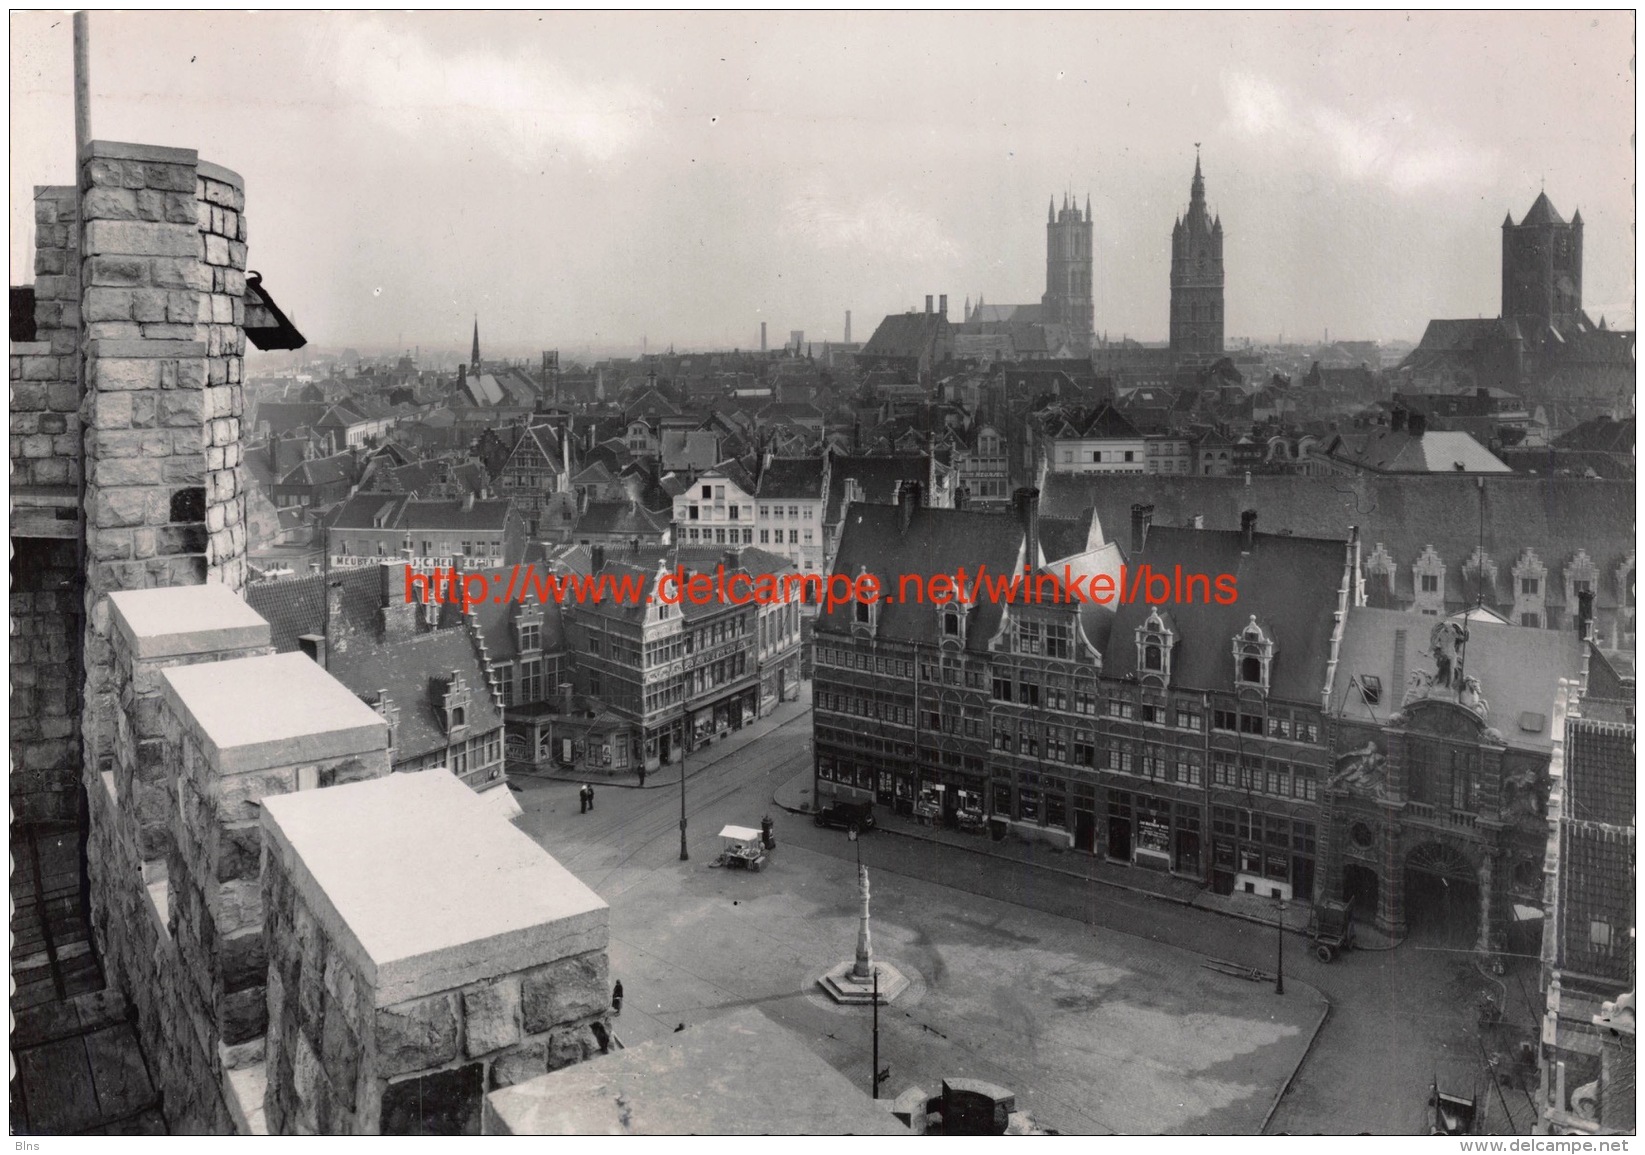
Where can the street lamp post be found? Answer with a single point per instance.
(685, 855)
(1279, 922)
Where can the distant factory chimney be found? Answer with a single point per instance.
(928, 303)
(942, 306)
(762, 336)
(848, 326)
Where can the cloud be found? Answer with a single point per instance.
(1387, 145)
(876, 224)
(526, 109)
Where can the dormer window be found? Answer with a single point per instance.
(862, 613)
(1253, 656)
(950, 624)
(1155, 638)
(458, 717)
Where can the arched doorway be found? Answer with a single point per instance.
(1360, 890)
(1441, 896)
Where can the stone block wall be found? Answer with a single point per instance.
(162, 263)
(340, 1064)
(381, 1025)
(175, 849)
(45, 679)
(133, 815)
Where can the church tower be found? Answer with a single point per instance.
(1067, 301)
(1542, 269)
(1196, 276)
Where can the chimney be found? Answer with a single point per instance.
(1247, 530)
(848, 326)
(1417, 423)
(732, 560)
(391, 585)
(1142, 516)
(1199, 521)
(762, 336)
(1396, 420)
(1027, 502)
(928, 304)
(314, 645)
(468, 503)
(908, 498)
(1585, 615)
(596, 558)
(942, 306)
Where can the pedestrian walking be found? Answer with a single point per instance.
(590, 790)
(642, 774)
(617, 998)
(583, 800)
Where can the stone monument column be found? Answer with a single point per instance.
(864, 966)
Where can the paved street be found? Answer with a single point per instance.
(1089, 1001)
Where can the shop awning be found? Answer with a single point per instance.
(740, 833)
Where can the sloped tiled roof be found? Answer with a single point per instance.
(481, 515)
(1518, 669)
(619, 517)
(1555, 517)
(905, 335)
(793, 477)
(878, 476)
(688, 448)
(1434, 451)
(1289, 584)
(936, 541)
(409, 670)
(296, 606)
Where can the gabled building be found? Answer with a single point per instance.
(1104, 441)
(716, 507)
(538, 465)
(1589, 944)
(466, 534)
(791, 499)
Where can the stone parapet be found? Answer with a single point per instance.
(45, 679)
(238, 745)
(174, 844)
(382, 1023)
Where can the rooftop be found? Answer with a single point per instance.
(739, 1074)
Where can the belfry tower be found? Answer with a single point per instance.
(1067, 301)
(1196, 276)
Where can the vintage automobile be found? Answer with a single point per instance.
(846, 815)
(1331, 930)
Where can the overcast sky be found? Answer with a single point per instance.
(602, 177)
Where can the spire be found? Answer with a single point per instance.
(474, 359)
(1051, 212)
(1196, 194)
(1087, 208)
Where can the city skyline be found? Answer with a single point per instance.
(599, 178)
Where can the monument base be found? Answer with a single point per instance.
(844, 987)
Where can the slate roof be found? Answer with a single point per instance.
(339, 467)
(1062, 537)
(496, 621)
(369, 511)
(1597, 848)
(1601, 433)
(482, 515)
(1518, 670)
(688, 448)
(285, 416)
(879, 476)
(1555, 517)
(905, 335)
(619, 517)
(296, 606)
(1542, 212)
(937, 541)
(1434, 451)
(1290, 584)
(793, 477)
(408, 671)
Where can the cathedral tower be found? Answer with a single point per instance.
(1067, 301)
(1196, 276)
(1542, 269)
